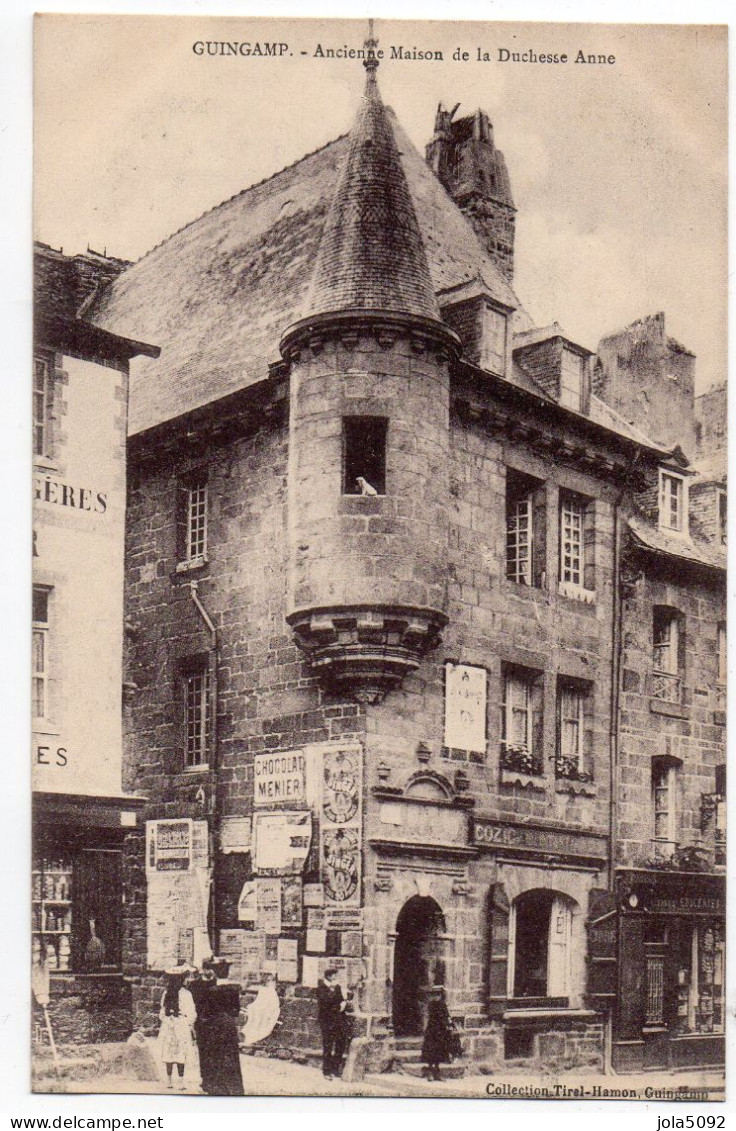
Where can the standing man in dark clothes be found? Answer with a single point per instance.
(330, 1009)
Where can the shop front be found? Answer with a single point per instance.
(671, 970)
(77, 915)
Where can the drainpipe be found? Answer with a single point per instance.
(213, 807)
(616, 649)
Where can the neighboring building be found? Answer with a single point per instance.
(408, 731)
(81, 816)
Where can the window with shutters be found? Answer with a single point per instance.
(540, 949)
(40, 653)
(43, 407)
(573, 720)
(525, 529)
(668, 653)
(577, 547)
(664, 808)
(521, 721)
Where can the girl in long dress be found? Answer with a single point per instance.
(175, 1037)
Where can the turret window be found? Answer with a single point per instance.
(364, 455)
(672, 512)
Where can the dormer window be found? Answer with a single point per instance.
(672, 512)
(493, 340)
(571, 380)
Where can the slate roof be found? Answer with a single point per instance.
(217, 295)
(371, 256)
(677, 545)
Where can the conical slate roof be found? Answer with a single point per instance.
(371, 256)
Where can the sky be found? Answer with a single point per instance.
(618, 170)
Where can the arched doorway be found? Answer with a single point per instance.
(418, 962)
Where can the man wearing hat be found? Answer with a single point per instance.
(330, 1010)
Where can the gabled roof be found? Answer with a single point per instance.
(218, 295)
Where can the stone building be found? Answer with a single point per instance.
(394, 582)
(81, 815)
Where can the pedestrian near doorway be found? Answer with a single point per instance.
(330, 1014)
(175, 1037)
(440, 1040)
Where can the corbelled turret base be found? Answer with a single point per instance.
(365, 651)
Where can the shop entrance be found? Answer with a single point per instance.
(419, 964)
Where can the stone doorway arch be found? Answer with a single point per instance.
(419, 962)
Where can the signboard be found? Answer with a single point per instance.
(254, 953)
(279, 779)
(291, 901)
(536, 840)
(314, 895)
(343, 919)
(316, 940)
(169, 846)
(414, 823)
(178, 879)
(247, 902)
(341, 825)
(236, 834)
(281, 841)
(465, 707)
(268, 905)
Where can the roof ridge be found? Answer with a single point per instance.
(242, 192)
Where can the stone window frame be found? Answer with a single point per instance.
(668, 654)
(529, 570)
(196, 707)
(576, 546)
(192, 519)
(524, 756)
(668, 480)
(575, 766)
(371, 466)
(664, 807)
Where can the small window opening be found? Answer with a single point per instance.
(364, 455)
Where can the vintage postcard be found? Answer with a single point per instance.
(379, 590)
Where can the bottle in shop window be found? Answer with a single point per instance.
(36, 952)
(63, 953)
(36, 885)
(48, 886)
(51, 956)
(50, 919)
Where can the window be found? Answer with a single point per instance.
(40, 652)
(521, 722)
(525, 529)
(192, 532)
(720, 823)
(667, 654)
(42, 405)
(364, 455)
(698, 956)
(664, 784)
(672, 512)
(197, 706)
(571, 733)
(571, 380)
(493, 340)
(540, 932)
(577, 533)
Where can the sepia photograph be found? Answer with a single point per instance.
(379, 559)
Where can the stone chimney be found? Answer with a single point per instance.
(463, 156)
